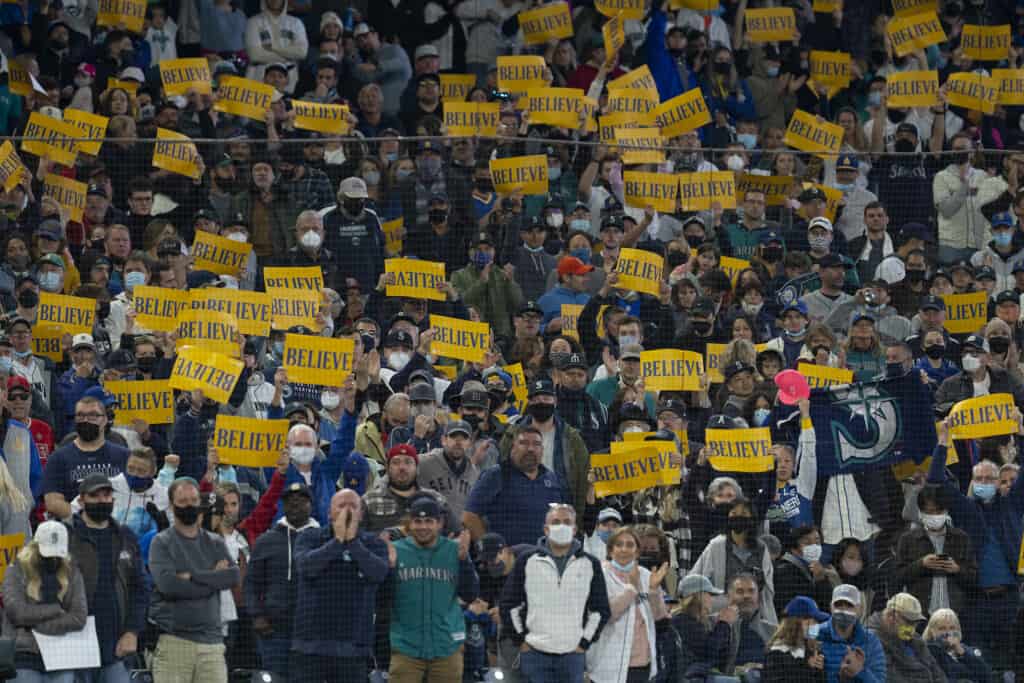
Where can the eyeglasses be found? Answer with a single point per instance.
(89, 417)
(18, 396)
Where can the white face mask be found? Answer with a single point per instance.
(230, 282)
(329, 400)
(971, 363)
(934, 522)
(428, 409)
(302, 455)
(752, 309)
(735, 162)
(812, 553)
(311, 239)
(560, 534)
(238, 237)
(555, 219)
(398, 360)
(633, 430)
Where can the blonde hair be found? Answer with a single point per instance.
(9, 490)
(693, 606)
(941, 617)
(790, 632)
(29, 561)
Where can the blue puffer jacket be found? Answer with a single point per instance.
(834, 648)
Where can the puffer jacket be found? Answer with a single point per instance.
(22, 614)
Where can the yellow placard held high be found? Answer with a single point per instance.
(640, 270)
(249, 441)
(1011, 85)
(821, 376)
(614, 36)
(243, 96)
(559, 107)
(157, 308)
(10, 546)
(570, 320)
(178, 76)
(977, 418)
(516, 75)
(640, 77)
(113, 13)
(51, 139)
(70, 194)
(219, 254)
(393, 235)
(633, 466)
(465, 119)
(456, 87)
(252, 310)
(831, 69)
(73, 314)
(518, 380)
(643, 189)
(966, 313)
(915, 32)
(628, 9)
(639, 103)
(671, 370)
(46, 341)
(713, 362)
(740, 450)
(701, 191)
(774, 187)
(528, 174)
(176, 153)
(987, 43)
(462, 339)
(732, 267)
(212, 373)
(912, 89)
(208, 330)
(698, 5)
(609, 123)
(12, 170)
(312, 359)
(92, 126)
(808, 134)
(300, 277)
(331, 119)
(294, 307)
(682, 114)
(149, 400)
(973, 91)
(770, 25)
(20, 80)
(547, 22)
(416, 279)
(907, 7)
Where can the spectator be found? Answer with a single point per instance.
(851, 651)
(945, 642)
(274, 37)
(792, 654)
(906, 654)
(800, 572)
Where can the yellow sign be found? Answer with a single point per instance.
(547, 22)
(808, 134)
(907, 7)
(252, 310)
(1011, 85)
(570, 320)
(642, 188)
(559, 107)
(208, 330)
(415, 279)
(733, 266)
(51, 139)
(244, 97)
(302, 277)
(11, 168)
(528, 175)
(640, 77)
(130, 87)
(682, 114)
(826, 6)
(701, 191)
(149, 400)
(966, 313)
(331, 119)
(92, 126)
(628, 9)
(462, 339)
(614, 36)
(20, 80)
(73, 314)
(393, 233)
(915, 32)
(518, 380)
(821, 376)
(212, 373)
(831, 69)
(465, 119)
(713, 362)
(987, 43)
(219, 254)
(47, 341)
(697, 5)
(249, 441)
(157, 308)
(774, 187)
(671, 370)
(294, 307)
(770, 25)
(70, 194)
(114, 13)
(638, 103)
(317, 360)
(609, 123)
(10, 546)
(456, 87)
(176, 153)
(912, 89)
(181, 75)
(684, 439)
(640, 270)
(517, 75)
(977, 418)
(972, 91)
(632, 467)
(740, 450)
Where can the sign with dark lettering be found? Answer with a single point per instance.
(415, 279)
(113, 13)
(462, 339)
(252, 310)
(809, 133)
(249, 441)
(972, 91)
(986, 43)
(547, 22)
(151, 401)
(682, 114)
(671, 370)
(176, 153)
(324, 361)
(466, 119)
(641, 145)
(912, 89)
(1011, 85)
(528, 174)
(219, 254)
(966, 313)
(73, 314)
(212, 373)
(640, 270)
(628, 9)
(157, 308)
(647, 188)
(244, 97)
(740, 450)
(51, 139)
(331, 119)
(770, 25)
(69, 193)
(209, 330)
(915, 32)
(977, 418)
(516, 75)
(181, 75)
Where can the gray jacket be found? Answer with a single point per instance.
(22, 614)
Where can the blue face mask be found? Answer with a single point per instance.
(581, 254)
(771, 71)
(138, 484)
(481, 259)
(134, 279)
(554, 172)
(226, 475)
(874, 98)
(604, 534)
(581, 224)
(845, 187)
(624, 568)
(761, 416)
(984, 492)
(6, 365)
(278, 348)
(1002, 238)
(748, 140)
(23, 354)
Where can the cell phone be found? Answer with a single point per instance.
(944, 557)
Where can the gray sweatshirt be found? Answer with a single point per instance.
(189, 609)
(435, 472)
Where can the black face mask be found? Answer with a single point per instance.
(497, 397)
(437, 216)
(695, 240)
(818, 349)
(676, 259)
(959, 158)
(741, 525)
(473, 421)
(87, 431)
(771, 254)
(701, 327)
(904, 146)
(677, 53)
(915, 275)
(723, 68)
(999, 345)
(935, 351)
(484, 185)
(878, 58)
(187, 515)
(353, 208)
(146, 364)
(541, 412)
(649, 561)
(99, 512)
(28, 299)
(894, 370)
(896, 116)
(50, 565)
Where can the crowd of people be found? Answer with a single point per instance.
(439, 520)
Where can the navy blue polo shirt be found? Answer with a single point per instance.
(513, 504)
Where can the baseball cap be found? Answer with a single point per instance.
(905, 605)
(541, 386)
(977, 341)
(530, 307)
(803, 606)
(398, 338)
(703, 306)
(50, 259)
(907, 127)
(474, 395)
(736, 368)
(425, 507)
(297, 487)
(574, 360)
(428, 146)
(422, 391)
(931, 302)
(672, 405)
(122, 359)
(18, 382)
(483, 238)
(361, 29)
(17, 320)
(862, 315)
(609, 513)
(101, 395)
(796, 305)
(985, 273)
(768, 236)
(570, 265)
(811, 194)
(168, 247)
(1004, 218)
(50, 229)
(697, 583)
(847, 162)
(94, 482)
(355, 472)
(630, 352)
(52, 539)
(633, 412)
(353, 188)
(97, 190)
(200, 278)
(918, 231)
(502, 378)
(820, 222)
(277, 66)
(403, 449)
(458, 427)
(82, 339)
(831, 261)
(489, 546)
(1008, 297)
(962, 265)
(426, 50)
(133, 73)
(845, 593)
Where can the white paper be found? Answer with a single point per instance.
(73, 650)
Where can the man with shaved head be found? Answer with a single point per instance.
(339, 570)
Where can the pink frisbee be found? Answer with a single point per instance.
(792, 387)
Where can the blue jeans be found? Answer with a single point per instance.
(30, 676)
(274, 654)
(116, 672)
(538, 667)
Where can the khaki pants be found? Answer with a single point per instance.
(182, 661)
(408, 670)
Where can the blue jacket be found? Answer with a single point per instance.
(833, 647)
(337, 592)
(551, 303)
(735, 107)
(70, 388)
(191, 431)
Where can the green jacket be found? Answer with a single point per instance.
(426, 619)
(573, 465)
(496, 299)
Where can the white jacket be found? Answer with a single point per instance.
(483, 36)
(608, 659)
(286, 37)
(961, 222)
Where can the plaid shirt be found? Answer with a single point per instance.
(311, 191)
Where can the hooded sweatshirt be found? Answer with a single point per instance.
(271, 39)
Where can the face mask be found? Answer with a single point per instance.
(87, 431)
(604, 534)
(146, 364)
(554, 172)
(28, 299)
(722, 68)
(635, 429)
(970, 363)
(627, 339)
(541, 412)
(277, 347)
(484, 185)
(138, 484)
(473, 421)
(437, 216)
(624, 568)
(935, 351)
(812, 553)
(391, 157)
(771, 254)
(311, 239)
(398, 360)
(904, 146)
(372, 177)
(752, 309)
(748, 140)
(843, 620)
(851, 567)
(187, 515)
(329, 400)
(896, 116)
(99, 512)
(905, 632)
(741, 525)
(134, 279)
(735, 162)
(497, 398)
(649, 561)
(933, 522)
(875, 98)
(796, 334)
(428, 409)
(23, 354)
(49, 281)
(6, 365)
(560, 534)
(845, 188)
(999, 345)
(915, 275)
(1002, 238)
(555, 219)
(240, 237)
(302, 455)
(894, 370)
(581, 254)
(984, 492)
(581, 224)
(50, 564)
(403, 173)
(429, 167)
(481, 259)
(819, 243)
(227, 475)
(701, 327)
(353, 207)
(761, 416)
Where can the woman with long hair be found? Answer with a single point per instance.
(793, 655)
(14, 506)
(705, 639)
(43, 591)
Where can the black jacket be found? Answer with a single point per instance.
(783, 667)
(911, 549)
(971, 666)
(961, 386)
(272, 579)
(793, 578)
